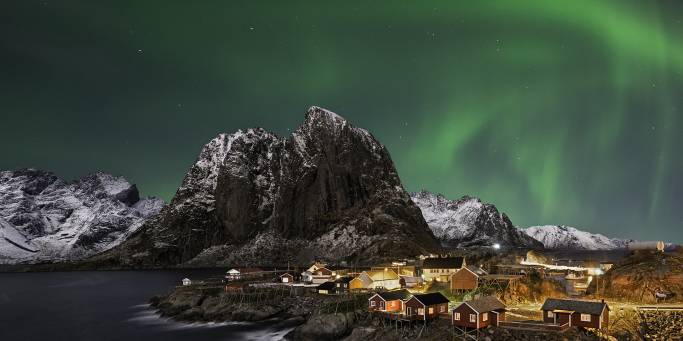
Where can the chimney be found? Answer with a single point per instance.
(603, 300)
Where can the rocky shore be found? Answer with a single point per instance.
(319, 317)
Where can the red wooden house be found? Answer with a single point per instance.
(426, 306)
(588, 314)
(388, 300)
(479, 313)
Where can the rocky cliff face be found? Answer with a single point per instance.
(329, 190)
(44, 218)
(469, 222)
(566, 237)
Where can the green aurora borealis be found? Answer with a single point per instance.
(558, 112)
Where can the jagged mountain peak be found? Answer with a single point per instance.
(468, 222)
(329, 181)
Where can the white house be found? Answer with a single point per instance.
(441, 269)
(187, 281)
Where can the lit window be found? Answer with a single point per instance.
(550, 314)
(442, 309)
(372, 303)
(473, 318)
(485, 317)
(456, 316)
(420, 311)
(585, 318)
(431, 310)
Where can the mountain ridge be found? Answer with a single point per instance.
(467, 222)
(44, 218)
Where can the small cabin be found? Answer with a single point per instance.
(187, 281)
(240, 273)
(342, 284)
(388, 300)
(466, 278)
(287, 278)
(326, 288)
(479, 313)
(579, 313)
(441, 269)
(426, 306)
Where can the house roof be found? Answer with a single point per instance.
(326, 286)
(411, 279)
(583, 307)
(443, 263)
(246, 270)
(382, 275)
(286, 274)
(393, 295)
(345, 279)
(431, 298)
(484, 304)
(477, 270)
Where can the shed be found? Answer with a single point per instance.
(479, 313)
(427, 306)
(465, 279)
(342, 284)
(287, 278)
(580, 313)
(326, 288)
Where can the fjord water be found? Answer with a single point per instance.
(107, 305)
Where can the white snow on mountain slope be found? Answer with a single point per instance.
(43, 218)
(468, 222)
(566, 237)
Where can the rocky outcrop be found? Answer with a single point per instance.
(645, 276)
(44, 218)
(469, 222)
(330, 190)
(324, 327)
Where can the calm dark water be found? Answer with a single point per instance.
(106, 305)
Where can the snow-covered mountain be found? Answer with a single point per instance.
(566, 237)
(328, 190)
(469, 222)
(44, 218)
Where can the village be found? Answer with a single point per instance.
(442, 295)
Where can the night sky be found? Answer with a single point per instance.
(558, 112)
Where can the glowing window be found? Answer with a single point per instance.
(585, 318)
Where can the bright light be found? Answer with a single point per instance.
(385, 269)
(496, 246)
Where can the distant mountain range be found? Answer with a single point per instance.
(44, 218)
(566, 237)
(469, 222)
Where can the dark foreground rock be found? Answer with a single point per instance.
(324, 327)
